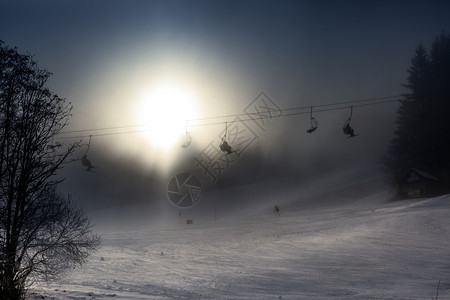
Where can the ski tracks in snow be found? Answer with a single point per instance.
(385, 251)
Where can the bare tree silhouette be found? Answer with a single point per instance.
(41, 233)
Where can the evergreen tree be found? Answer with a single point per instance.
(422, 138)
(440, 105)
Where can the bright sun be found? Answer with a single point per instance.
(164, 110)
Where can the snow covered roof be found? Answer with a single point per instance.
(422, 173)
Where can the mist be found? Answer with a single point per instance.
(300, 55)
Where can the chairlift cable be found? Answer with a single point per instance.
(300, 111)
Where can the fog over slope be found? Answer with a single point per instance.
(340, 237)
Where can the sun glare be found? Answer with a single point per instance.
(163, 113)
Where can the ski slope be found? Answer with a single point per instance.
(366, 248)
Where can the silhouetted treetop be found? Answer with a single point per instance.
(423, 119)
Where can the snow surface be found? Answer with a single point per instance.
(366, 248)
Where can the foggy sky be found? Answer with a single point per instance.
(301, 53)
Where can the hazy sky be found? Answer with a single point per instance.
(116, 60)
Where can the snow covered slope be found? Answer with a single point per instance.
(367, 248)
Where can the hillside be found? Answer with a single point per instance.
(367, 247)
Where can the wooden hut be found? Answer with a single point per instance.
(416, 183)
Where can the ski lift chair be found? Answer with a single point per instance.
(314, 123)
(188, 140)
(224, 146)
(87, 163)
(348, 130)
(84, 160)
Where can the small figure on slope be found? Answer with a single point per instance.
(276, 211)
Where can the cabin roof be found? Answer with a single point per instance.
(421, 173)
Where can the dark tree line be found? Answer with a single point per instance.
(422, 138)
(41, 233)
